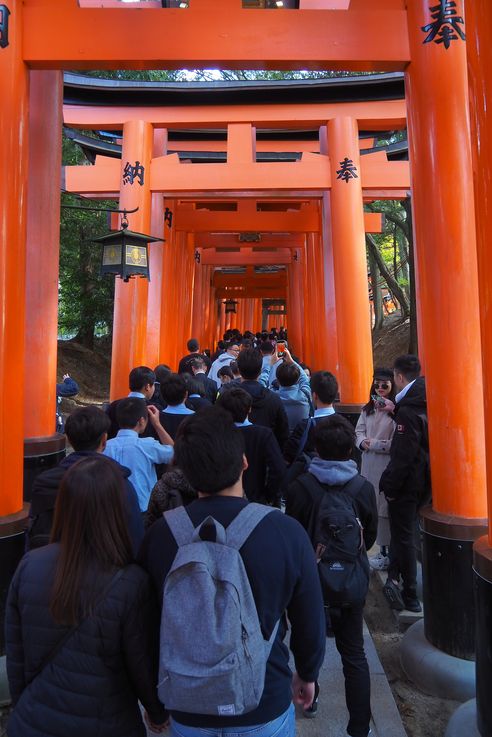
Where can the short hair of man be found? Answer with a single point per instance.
(85, 428)
(193, 345)
(324, 384)
(225, 371)
(288, 374)
(162, 371)
(237, 402)
(129, 411)
(267, 348)
(249, 363)
(408, 365)
(173, 390)
(140, 377)
(231, 344)
(209, 450)
(334, 438)
(198, 364)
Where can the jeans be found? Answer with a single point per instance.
(282, 726)
(346, 623)
(403, 553)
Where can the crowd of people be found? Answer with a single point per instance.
(193, 523)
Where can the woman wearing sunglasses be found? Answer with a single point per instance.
(374, 432)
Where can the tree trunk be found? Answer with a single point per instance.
(377, 300)
(413, 344)
(393, 285)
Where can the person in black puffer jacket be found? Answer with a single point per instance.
(81, 624)
(171, 491)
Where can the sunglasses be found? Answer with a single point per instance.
(382, 385)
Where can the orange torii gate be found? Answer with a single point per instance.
(313, 174)
(37, 39)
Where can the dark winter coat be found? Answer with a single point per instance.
(91, 685)
(171, 491)
(263, 478)
(267, 410)
(43, 500)
(209, 386)
(407, 475)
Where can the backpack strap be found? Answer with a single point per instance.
(245, 522)
(180, 525)
(353, 486)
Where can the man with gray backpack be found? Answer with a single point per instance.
(226, 573)
(337, 508)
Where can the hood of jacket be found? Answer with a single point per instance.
(333, 473)
(259, 394)
(416, 396)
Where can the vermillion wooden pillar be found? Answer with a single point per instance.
(222, 319)
(130, 302)
(444, 234)
(167, 335)
(184, 277)
(43, 447)
(13, 198)
(198, 319)
(349, 257)
(14, 125)
(479, 33)
(308, 317)
(156, 261)
(330, 310)
(249, 316)
(323, 348)
(295, 305)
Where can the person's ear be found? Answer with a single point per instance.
(102, 442)
(245, 463)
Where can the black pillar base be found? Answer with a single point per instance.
(448, 581)
(39, 455)
(352, 413)
(11, 551)
(482, 568)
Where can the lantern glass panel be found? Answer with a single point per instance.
(136, 256)
(112, 255)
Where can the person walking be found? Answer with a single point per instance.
(374, 431)
(81, 630)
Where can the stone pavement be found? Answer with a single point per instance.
(332, 717)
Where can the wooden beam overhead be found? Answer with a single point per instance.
(374, 115)
(245, 257)
(207, 34)
(168, 174)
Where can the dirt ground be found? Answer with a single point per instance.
(422, 715)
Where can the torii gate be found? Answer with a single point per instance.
(415, 36)
(313, 173)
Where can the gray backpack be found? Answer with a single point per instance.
(212, 652)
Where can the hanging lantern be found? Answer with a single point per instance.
(125, 253)
(230, 305)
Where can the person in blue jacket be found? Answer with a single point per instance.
(68, 388)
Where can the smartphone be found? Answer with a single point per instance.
(378, 400)
(280, 350)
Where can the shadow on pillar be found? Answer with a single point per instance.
(12, 529)
(482, 568)
(439, 654)
(39, 455)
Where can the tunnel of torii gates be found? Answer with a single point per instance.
(443, 49)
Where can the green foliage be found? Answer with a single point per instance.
(85, 298)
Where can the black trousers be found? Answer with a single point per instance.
(346, 624)
(403, 551)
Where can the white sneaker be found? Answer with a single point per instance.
(379, 562)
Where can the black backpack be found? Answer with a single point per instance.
(337, 537)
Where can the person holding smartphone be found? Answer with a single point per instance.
(374, 432)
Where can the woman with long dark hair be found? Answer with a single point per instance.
(81, 628)
(374, 432)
